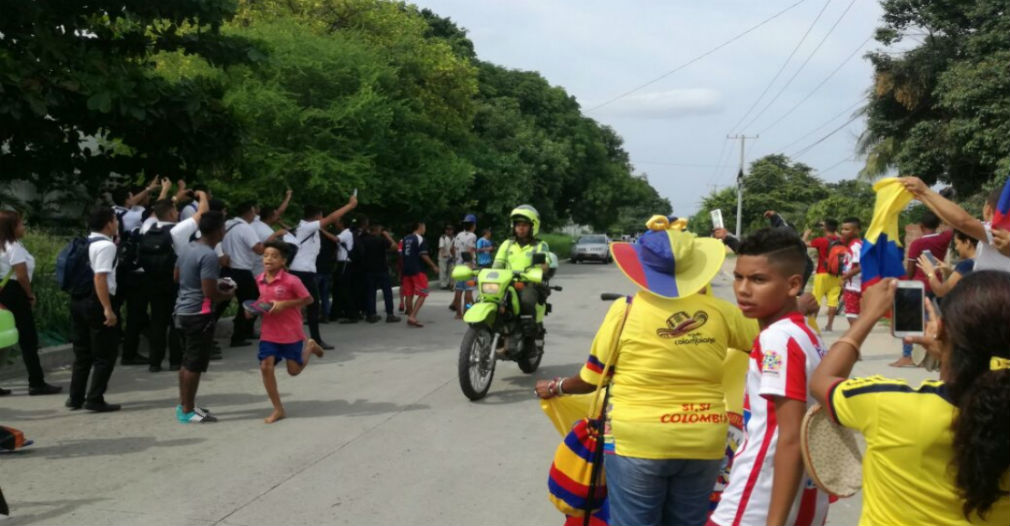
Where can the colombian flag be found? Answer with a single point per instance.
(1001, 216)
(882, 256)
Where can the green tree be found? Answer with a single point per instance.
(942, 109)
(80, 100)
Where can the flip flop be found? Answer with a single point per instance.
(414, 324)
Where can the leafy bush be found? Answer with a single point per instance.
(561, 244)
(52, 310)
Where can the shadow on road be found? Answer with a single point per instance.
(319, 408)
(91, 447)
(24, 511)
(520, 388)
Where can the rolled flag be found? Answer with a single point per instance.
(1001, 216)
(882, 256)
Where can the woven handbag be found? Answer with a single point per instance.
(577, 482)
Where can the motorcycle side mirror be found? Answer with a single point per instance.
(539, 259)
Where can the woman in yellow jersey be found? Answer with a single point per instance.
(667, 421)
(939, 453)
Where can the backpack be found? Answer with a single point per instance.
(357, 252)
(835, 262)
(157, 252)
(73, 268)
(293, 247)
(128, 252)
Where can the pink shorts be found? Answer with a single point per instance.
(851, 299)
(416, 285)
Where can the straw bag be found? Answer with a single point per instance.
(577, 482)
(831, 454)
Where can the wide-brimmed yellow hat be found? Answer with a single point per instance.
(668, 261)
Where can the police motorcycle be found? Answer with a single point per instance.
(495, 330)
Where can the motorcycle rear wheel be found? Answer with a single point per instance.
(476, 362)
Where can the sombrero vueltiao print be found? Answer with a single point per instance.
(668, 262)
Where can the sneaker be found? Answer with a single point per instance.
(392, 319)
(196, 416)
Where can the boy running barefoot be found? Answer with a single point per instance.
(281, 336)
(767, 484)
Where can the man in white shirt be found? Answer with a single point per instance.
(464, 246)
(159, 285)
(243, 247)
(191, 207)
(95, 321)
(306, 238)
(445, 258)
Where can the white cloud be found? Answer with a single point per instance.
(671, 104)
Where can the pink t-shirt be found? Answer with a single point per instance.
(284, 326)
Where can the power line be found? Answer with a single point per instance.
(695, 59)
(835, 165)
(803, 151)
(803, 65)
(658, 163)
(825, 123)
(819, 86)
(783, 68)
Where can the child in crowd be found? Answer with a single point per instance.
(852, 283)
(767, 483)
(281, 336)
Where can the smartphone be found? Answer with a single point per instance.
(929, 255)
(909, 315)
(717, 219)
(355, 194)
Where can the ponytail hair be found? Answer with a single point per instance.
(974, 318)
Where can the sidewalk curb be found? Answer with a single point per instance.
(62, 356)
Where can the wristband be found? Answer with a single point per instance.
(852, 343)
(561, 385)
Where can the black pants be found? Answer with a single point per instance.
(312, 311)
(95, 350)
(359, 289)
(163, 333)
(528, 299)
(375, 281)
(13, 297)
(131, 295)
(246, 290)
(343, 293)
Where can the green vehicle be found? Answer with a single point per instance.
(495, 331)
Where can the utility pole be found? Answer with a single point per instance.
(739, 182)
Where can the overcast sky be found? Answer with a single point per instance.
(675, 129)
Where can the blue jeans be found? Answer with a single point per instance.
(646, 491)
(325, 283)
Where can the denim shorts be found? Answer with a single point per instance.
(281, 351)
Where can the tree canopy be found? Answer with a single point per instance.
(941, 110)
(323, 96)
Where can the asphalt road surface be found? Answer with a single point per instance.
(377, 432)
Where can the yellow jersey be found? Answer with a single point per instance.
(906, 468)
(667, 398)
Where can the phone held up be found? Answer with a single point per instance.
(909, 314)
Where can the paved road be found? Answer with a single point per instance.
(377, 433)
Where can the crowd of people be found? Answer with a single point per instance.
(170, 263)
(935, 454)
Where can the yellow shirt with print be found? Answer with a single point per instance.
(666, 398)
(513, 256)
(906, 468)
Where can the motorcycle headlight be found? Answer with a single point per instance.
(490, 288)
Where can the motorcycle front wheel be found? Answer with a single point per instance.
(529, 364)
(476, 362)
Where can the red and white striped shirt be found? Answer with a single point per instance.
(781, 363)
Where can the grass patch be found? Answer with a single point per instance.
(52, 310)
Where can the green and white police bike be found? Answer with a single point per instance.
(495, 330)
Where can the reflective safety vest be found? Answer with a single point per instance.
(513, 256)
